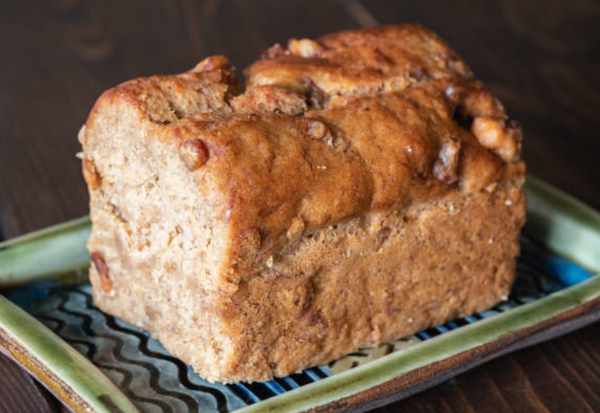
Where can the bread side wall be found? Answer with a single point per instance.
(374, 279)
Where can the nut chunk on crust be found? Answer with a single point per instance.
(364, 186)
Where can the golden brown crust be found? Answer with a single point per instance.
(387, 101)
(327, 132)
(360, 62)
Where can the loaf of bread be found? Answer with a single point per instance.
(361, 187)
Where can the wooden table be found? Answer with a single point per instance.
(540, 57)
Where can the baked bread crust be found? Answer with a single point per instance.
(355, 174)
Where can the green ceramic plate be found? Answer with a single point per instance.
(95, 362)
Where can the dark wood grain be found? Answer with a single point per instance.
(540, 57)
(19, 392)
(558, 376)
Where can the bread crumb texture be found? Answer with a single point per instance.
(361, 187)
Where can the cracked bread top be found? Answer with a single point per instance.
(326, 130)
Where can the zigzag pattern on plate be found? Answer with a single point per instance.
(155, 380)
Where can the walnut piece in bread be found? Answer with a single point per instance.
(363, 187)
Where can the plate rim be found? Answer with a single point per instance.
(66, 373)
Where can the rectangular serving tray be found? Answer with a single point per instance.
(95, 362)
